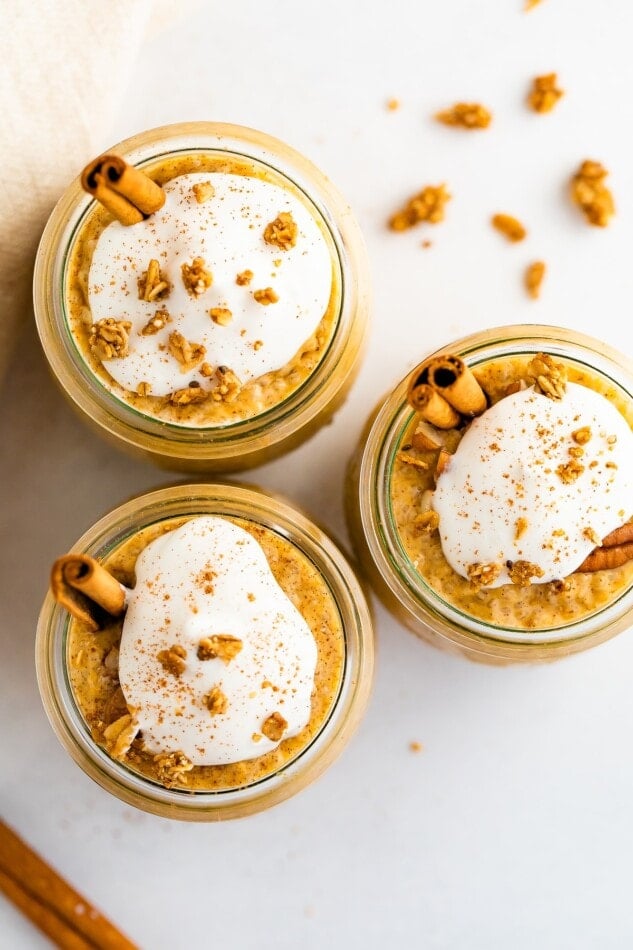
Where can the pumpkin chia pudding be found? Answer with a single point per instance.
(215, 307)
(205, 651)
(202, 296)
(226, 664)
(489, 497)
(508, 517)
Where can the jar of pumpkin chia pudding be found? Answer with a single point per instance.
(205, 652)
(203, 299)
(490, 497)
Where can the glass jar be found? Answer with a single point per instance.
(235, 445)
(375, 532)
(350, 697)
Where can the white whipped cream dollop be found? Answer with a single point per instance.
(226, 231)
(504, 496)
(208, 578)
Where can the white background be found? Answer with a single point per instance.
(513, 828)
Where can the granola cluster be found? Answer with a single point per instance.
(152, 284)
(544, 93)
(173, 659)
(466, 115)
(266, 296)
(196, 278)
(203, 191)
(229, 386)
(510, 227)
(427, 205)
(590, 193)
(548, 376)
(188, 354)
(109, 338)
(534, 275)
(282, 232)
(274, 727)
(172, 768)
(119, 736)
(522, 572)
(156, 323)
(221, 645)
(216, 701)
(482, 575)
(193, 393)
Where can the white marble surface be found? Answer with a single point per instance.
(513, 828)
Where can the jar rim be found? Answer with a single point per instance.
(276, 514)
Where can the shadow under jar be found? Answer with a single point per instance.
(228, 372)
(81, 674)
(391, 486)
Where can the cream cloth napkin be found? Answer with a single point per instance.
(65, 67)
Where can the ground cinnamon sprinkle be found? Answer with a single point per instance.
(590, 193)
(510, 227)
(544, 93)
(427, 205)
(465, 115)
(533, 279)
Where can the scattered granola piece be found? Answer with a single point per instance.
(152, 284)
(548, 377)
(582, 435)
(266, 296)
(591, 195)
(282, 232)
(393, 104)
(206, 370)
(427, 205)
(534, 274)
(186, 397)
(274, 727)
(109, 338)
(188, 354)
(173, 659)
(228, 387)
(568, 472)
(196, 277)
(576, 451)
(481, 575)
(520, 527)
(119, 736)
(530, 4)
(144, 389)
(466, 115)
(427, 521)
(156, 323)
(203, 191)
(415, 746)
(216, 702)
(409, 459)
(521, 572)
(510, 227)
(221, 645)
(244, 278)
(257, 345)
(172, 768)
(221, 315)
(544, 93)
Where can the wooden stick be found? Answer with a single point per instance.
(60, 911)
(81, 584)
(127, 192)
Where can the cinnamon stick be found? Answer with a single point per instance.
(606, 558)
(86, 589)
(434, 408)
(456, 382)
(127, 192)
(60, 911)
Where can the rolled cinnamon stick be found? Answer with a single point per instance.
(606, 558)
(86, 589)
(450, 376)
(127, 192)
(426, 400)
(50, 902)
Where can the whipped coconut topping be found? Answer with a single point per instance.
(226, 231)
(513, 491)
(210, 578)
